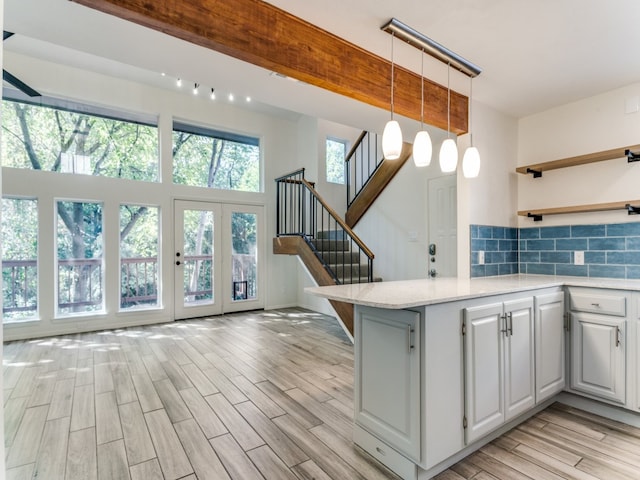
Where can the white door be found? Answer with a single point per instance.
(443, 226)
(483, 369)
(598, 363)
(219, 256)
(197, 260)
(519, 380)
(550, 345)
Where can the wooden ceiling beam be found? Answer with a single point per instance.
(264, 35)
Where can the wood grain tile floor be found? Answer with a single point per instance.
(258, 395)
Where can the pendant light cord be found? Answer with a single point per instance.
(392, 35)
(422, 90)
(470, 111)
(448, 100)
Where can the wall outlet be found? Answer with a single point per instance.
(480, 257)
(578, 257)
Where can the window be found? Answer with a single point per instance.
(79, 245)
(73, 138)
(336, 155)
(138, 256)
(19, 259)
(244, 270)
(212, 159)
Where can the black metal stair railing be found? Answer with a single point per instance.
(361, 163)
(300, 211)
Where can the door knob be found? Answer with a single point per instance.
(177, 262)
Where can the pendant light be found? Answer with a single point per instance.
(448, 150)
(422, 148)
(471, 159)
(392, 135)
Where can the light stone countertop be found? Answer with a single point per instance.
(413, 293)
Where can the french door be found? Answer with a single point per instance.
(218, 258)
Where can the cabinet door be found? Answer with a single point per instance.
(550, 345)
(519, 359)
(484, 404)
(598, 360)
(387, 370)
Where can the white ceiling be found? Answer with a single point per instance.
(535, 55)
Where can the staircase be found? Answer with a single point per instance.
(306, 226)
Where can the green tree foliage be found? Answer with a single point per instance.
(207, 161)
(336, 153)
(39, 138)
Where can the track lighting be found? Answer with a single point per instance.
(213, 94)
(231, 97)
(195, 88)
(448, 150)
(179, 82)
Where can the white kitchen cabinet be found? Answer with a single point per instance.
(598, 342)
(550, 344)
(499, 364)
(387, 377)
(598, 356)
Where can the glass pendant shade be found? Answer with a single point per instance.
(392, 140)
(448, 156)
(422, 149)
(471, 162)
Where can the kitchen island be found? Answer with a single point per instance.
(442, 366)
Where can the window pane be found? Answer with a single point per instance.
(79, 244)
(245, 256)
(46, 138)
(138, 256)
(336, 153)
(211, 160)
(19, 259)
(198, 257)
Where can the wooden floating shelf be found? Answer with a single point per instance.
(538, 213)
(537, 168)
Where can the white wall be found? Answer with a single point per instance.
(591, 125)
(490, 198)
(280, 155)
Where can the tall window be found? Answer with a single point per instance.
(244, 258)
(72, 138)
(138, 256)
(336, 154)
(79, 245)
(212, 159)
(19, 259)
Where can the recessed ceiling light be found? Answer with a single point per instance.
(248, 99)
(231, 97)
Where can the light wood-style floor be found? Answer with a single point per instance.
(244, 396)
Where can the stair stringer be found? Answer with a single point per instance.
(295, 245)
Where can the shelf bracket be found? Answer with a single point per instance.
(535, 173)
(536, 218)
(632, 156)
(631, 210)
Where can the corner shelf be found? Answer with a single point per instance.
(537, 214)
(537, 168)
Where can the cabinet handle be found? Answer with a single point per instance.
(510, 315)
(410, 332)
(595, 305)
(504, 330)
(617, 336)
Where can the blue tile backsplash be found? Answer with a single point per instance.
(500, 247)
(610, 250)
